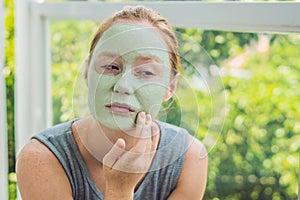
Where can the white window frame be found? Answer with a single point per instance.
(33, 108)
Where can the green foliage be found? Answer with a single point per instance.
(9, 71)
(257, 155)
(219, 45)
(12, 186)
(67, 63)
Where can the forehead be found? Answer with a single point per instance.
(128, 37)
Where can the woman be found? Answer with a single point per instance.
(120, 152)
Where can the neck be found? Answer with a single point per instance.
(98, 139)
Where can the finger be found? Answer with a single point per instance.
(140, 122)
(149, 135)
(145, 136)
(115, 153)
(155, 136)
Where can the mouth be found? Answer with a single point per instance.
(120, 108)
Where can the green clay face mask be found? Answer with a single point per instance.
(129, 72)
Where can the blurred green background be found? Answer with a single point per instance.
(256, 156)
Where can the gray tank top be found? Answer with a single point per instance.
(159, 182)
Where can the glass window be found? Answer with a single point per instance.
(256, 153)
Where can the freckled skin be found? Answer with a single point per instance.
(130, 42)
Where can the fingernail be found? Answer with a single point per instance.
(142, 115)
(148, 117)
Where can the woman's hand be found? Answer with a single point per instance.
(125, 169)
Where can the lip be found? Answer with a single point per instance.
(120, 108)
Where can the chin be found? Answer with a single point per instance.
(120, 123)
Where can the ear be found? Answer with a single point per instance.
(172, 87)
(86, 71)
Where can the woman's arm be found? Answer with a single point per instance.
(40, 175)
(192, 180)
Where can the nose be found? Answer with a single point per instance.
(125, 85)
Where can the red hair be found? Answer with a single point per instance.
(140, 14)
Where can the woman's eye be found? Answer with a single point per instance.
(148, 70)
(109, 69)
(145, 74)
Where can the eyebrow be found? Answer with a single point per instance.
(147, 58)
(109, 54)
(141, 58)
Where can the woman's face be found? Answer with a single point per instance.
(129, 72)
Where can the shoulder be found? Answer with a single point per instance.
(196, 150)
(54, 131)
(192, 180)
(40, 175)
(35, 155)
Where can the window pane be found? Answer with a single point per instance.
(256, 155)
